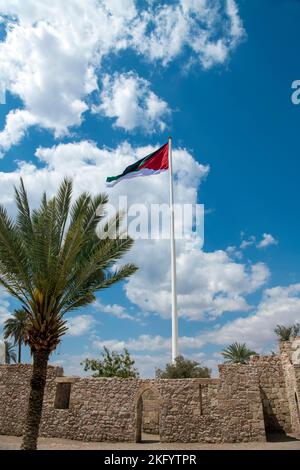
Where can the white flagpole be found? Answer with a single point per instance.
(175, 350)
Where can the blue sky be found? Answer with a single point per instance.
(86, 100)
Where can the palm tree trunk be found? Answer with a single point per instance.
(35, 403)
(7, 361)
(19, 354)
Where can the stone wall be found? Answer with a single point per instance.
(14, 394)
(273, 393)
(239, 403)
(227, 409)
(191, 410)
(291, 367)
(243, 403)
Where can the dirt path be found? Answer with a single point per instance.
(275, 443)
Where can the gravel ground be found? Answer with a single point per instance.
(150, 443)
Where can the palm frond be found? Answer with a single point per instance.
(63, 202)
(13, 256)
(24, 221)
(53, 260)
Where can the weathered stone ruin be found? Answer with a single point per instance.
(244, 404)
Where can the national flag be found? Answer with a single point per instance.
(152, 164)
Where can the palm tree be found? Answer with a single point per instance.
(53, 261)
(284, 333)
(237, 353)
(15, 328)
(10, 353)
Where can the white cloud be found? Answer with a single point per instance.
(150, 343)
(55, 87)
(234, 252)
(115, 310)
(128, 99)
(279, 305)
(142, 343)
(209, 283)
(4, 313)
(246, 243)
(267, 240)
(17, 122)
(4, 307)
(147, 363)
(80, 324)
(71, 363)
(236, 26)
(210, 30)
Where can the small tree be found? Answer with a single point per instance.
(112, 365)
(284, 333)
(237, 353)
(183, 369)
(15, 327)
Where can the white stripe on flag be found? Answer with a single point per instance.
(135, 174)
